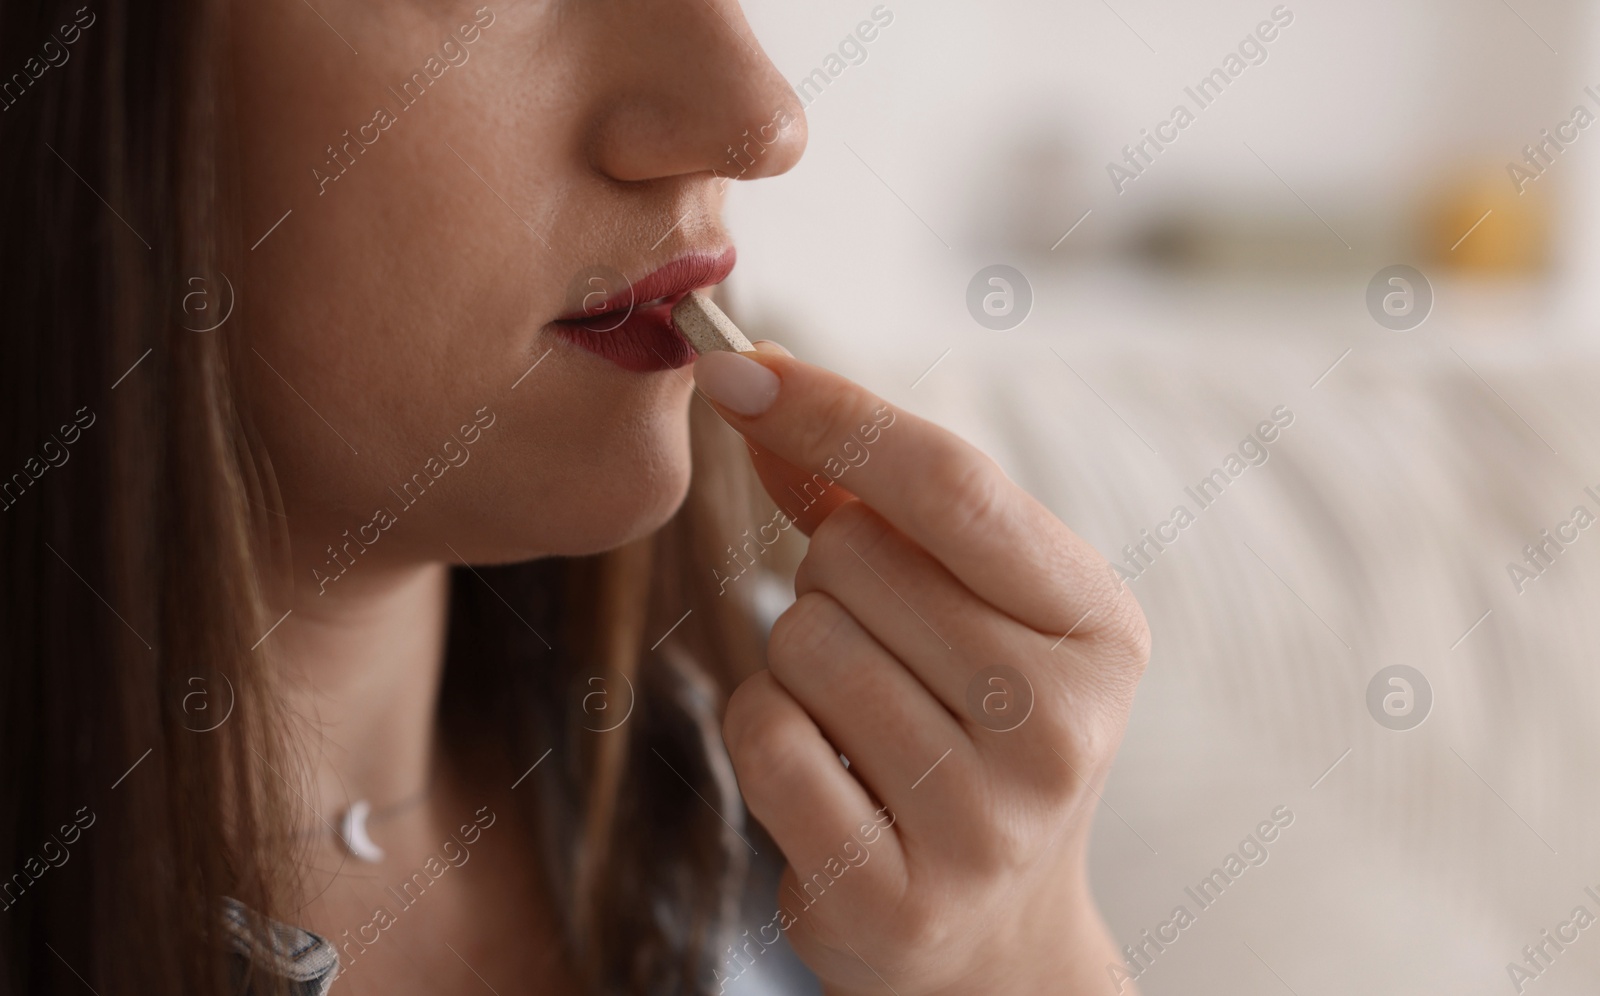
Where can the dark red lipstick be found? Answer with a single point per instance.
(632, 326)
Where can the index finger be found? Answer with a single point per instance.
(945, 494)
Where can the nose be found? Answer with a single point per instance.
(691, 91)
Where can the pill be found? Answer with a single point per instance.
(706, 327)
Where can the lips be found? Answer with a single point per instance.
(632, 327)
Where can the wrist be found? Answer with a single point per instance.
(1053, 940)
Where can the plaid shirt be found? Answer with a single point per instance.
(308, 961)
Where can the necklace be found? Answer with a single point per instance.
(352, 831)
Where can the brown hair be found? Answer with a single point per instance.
(133, 535)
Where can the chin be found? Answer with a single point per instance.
(595, 529)
(611, 505)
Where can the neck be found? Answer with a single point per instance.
(361, 665)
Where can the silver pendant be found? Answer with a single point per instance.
(353, 831)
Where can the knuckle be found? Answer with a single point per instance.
(1140, 642)
(763, 757)
(1113, 623)
(1004, 843)
(1127, 632)
(1075, 740)
(966, 489)
(1072, 729)
(1057, 721)
(759, 737)
(1082, 746)
(805, 631)
(744, 710)
(804, 574)
(851, 525)
(918, 927)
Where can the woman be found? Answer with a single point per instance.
(357, 627)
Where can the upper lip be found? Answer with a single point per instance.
(684, 274)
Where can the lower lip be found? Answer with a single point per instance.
(645, 341)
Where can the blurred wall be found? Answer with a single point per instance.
(980, 133)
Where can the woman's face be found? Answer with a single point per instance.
(457, 177)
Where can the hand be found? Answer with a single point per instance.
(949, 856)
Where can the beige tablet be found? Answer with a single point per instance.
(706, 327)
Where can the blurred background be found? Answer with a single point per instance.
(1433, 841)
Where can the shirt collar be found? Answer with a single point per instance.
(299, 956)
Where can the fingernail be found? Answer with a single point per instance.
(768, 346)
(736, 381)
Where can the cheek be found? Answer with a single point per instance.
(387, 307)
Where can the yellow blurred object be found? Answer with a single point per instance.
(1512, 233)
